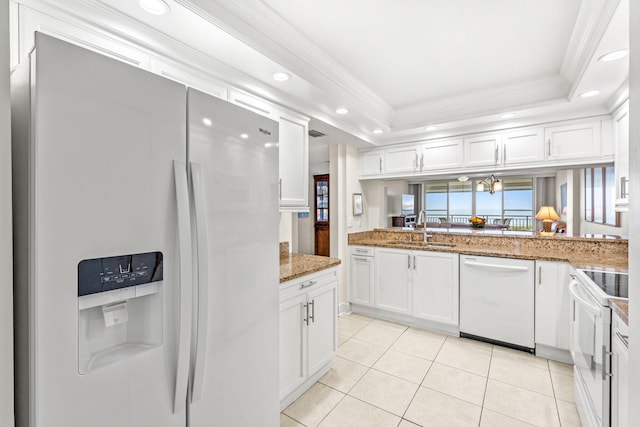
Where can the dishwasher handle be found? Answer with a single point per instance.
(495, 266)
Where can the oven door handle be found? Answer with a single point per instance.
(595, 309)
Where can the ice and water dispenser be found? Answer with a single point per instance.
(119, 308)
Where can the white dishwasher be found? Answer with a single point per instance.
(497, 298)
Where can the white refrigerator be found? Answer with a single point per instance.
(145, 247)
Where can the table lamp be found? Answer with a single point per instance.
(547, 214)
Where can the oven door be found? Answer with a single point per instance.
(590, 348)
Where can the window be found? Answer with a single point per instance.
(457, 202)
(599, 196)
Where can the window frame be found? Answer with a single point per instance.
(590, 201)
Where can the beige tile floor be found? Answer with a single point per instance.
(387, 374)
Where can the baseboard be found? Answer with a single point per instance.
(344, 308)
(405, 319)
(554, 354)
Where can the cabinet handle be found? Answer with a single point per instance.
(408, 262)
(504, 153)
(623, 338)
(496, 153)
(380, 162)
(539, 275)
(280, 189)
(414, 262)
(313, 311)
(308, 284)
(549, 147)
(605, 370)
(306, 319)
(416, 161)
(421, 161)
(362, 251)
(623, 187)
(360, 259)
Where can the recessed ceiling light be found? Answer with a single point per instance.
(281, 76)
(342, 110)
(430, 128)
(244, 135)
(207, 121)
(154, 7)
(508, 115)
(377, 131)
(589, 93)
(612, 56)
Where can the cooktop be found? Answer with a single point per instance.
(613, 284)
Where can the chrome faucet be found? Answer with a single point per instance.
(422, 217)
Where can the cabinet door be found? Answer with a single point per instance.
(523, 146)
(482, 150)
(392, 280)
(292, 338)
(371, 163)
(442, 155)
(362, 273)
(576, 141)
(401, 160)
(294, 162)
(323, 326)
(435, 287)
(552, 304)
(620, 377)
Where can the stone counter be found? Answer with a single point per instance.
(293, 266)
(581, 252)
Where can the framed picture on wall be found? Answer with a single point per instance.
(357, 204)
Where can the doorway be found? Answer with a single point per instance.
(321, 214)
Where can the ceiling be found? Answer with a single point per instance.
(396, 66)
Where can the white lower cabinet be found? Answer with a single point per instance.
(552, 306)
(392, 280)
(435, 287)
(620, 373)
(421, 284)
(308, 331)
(362, 270)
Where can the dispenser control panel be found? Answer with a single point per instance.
(117, 272)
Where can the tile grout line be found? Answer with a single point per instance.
(486, 386)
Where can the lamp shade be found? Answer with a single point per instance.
(547, 212)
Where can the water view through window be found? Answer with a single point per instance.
(456, 202)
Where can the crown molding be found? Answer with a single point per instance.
(482, 103)
(619, 97)
(592, 22)
(260, 27)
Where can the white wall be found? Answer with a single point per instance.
(6, 261)
(286, 230)
(634, 224)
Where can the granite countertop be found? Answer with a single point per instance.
(621, 308)
(293, 266)
(578, 259)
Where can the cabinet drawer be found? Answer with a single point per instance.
(307, 283)
(362, 250)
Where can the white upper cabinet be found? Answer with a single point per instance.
(294, 162)
(371, 163)
(439, 155)
(523, 146)
(402, 160)
(574, 141)
(482, 150)
(621, 137)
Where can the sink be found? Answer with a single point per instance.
(432, 245)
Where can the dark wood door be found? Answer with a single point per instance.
(321, 214)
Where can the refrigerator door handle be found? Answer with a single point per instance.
(203, 280)
(184, 327)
